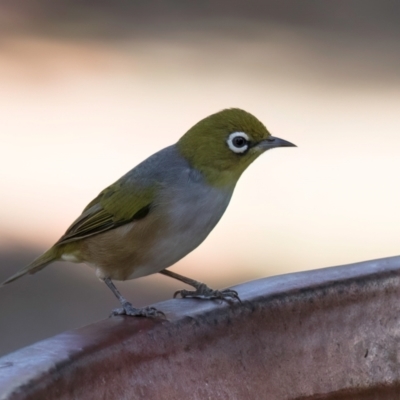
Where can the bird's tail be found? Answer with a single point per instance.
(36, 265)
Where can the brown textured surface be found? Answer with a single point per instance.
(327, 334)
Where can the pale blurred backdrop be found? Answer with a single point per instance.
(89, 89)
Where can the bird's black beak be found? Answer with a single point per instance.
(273, 142)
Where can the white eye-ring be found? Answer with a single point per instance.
(238, 142)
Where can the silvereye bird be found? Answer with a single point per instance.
(164, 208)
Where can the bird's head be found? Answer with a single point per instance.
(224, 144)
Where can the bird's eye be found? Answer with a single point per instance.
(238, 142)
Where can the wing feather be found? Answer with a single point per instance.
(116, 205)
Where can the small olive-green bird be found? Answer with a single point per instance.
(164, 208)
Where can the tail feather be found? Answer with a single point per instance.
(36, 265)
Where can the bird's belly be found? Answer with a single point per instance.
(168, 250)
(190, 223)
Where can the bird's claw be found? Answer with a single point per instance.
(128, 309)
(206, 293)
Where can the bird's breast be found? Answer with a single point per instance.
(186, 218)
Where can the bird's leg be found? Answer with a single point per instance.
(202, 290)
(127, 308)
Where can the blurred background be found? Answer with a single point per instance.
(89, 89)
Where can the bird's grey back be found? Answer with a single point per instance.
(167, 166)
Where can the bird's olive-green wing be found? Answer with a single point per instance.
(116, 205)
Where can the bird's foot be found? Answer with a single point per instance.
(206, 293)
(128, 309)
